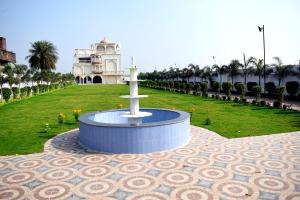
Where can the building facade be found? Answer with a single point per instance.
(99, 64)
(5, 56)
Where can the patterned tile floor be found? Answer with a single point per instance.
(209, 167)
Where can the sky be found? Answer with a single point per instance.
(159, 33)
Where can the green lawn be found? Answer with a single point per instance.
(22, 122)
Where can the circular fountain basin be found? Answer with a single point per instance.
(108, 131)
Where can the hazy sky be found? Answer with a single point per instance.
(160, 33)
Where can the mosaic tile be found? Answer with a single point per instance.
(116, 176)
(240, 178)
(113, 163)
(16, 159)
(245, 160)
(153, 172)
(188, 168)
(176, 157)
(75, 197)
(33, 184)
(205, 183)
(206, 154)
(5, 171)
(48, 157)
(121, 194)
(164, 189)
(78, 166)
(42, 169)
(230, 151)
(275, 157)
(145, 160)
(273, 173)
(219, 164)
(268, 196)
(75, 180)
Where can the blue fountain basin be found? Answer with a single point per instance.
(108, 131)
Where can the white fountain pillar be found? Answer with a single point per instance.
(134, 101)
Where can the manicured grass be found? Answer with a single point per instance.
(22, 122)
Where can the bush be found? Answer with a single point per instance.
(216, 86)
(253, 102)
(280, 94)
(6, 94)
(23, 92)
(204, 88)
(244, 100)
(227, 88)
(276, 104)
(257, 90)
(270, 87)
(189, 87)
(224, 98)
(207, 121)
(228, 98)
(35, 90)
(28, 90)
(262, 103)
(213, 96)
(292, 87)
(250, 86)
(197, 88)
(235, 85)
(16, 92)
(241, 90)
(284, 107)
(236, 99)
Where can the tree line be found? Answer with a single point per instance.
(40, 74)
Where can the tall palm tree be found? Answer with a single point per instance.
(259, 69)
(247, 68)
(281, 71)
(220, 71)
(42, 55)
(194, 69)
(233, 69)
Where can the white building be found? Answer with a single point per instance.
(99, 64)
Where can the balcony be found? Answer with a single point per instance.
(7, 56)
(113, 73)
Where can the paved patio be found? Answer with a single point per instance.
(209, 167)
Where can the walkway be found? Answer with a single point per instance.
(209, 167)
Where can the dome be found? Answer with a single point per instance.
(104, 40)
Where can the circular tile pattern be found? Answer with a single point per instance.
(234, 190)
(96, 187)
(61, 162)
(196, 161)
(210, 149)
(53, 191)
(177, 178)
(295, 176)
(294, 147)
(3, 164)
(225, 157)
(233, 146)
(251, 154)
(126, 157)
(274, 164)
(293, 197)
(18, 177)
(294, 159)
(137, 183)
(11, 193)
(271, 183)
(212, 173)
(158, 155)
(276, 151)
(94, 159)
(96, 171)
(244, 168)
(165, 164)
(191, 193)
(28, 164)
(184, 151)
(58, 174)
(151, 196)
(132, 168)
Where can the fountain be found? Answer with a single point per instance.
(134, 130)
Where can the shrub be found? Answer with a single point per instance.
(228, 98)
(235, 85)
(284, 107)
(224, 98)
(23, 92)
(250, 85)
(241, 90)
(270, 87)
(207, 121)
(253, 102)
(28, 90)
(262, 103)
(119, 106)
(213, 96)
(216, 86)
(227, 88)
(189, 87)
(192, 110)
(292, 87)
(76, 114)
(6, 94)
(257, 90)
(16, 92)
(244, 100)
(197, 88)
(276, 104)
(61, 118)
(35, 90)
(204, 88)
(177, 86)
(236, 99)
(280, 94)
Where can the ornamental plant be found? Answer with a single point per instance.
(204, 88)
(6, 94)
(227, 88)
(61, 118)
(76, 114)
(192, 110)
(257, 90)
(241, 90)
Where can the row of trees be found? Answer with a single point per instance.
(42, 59)
(250, 66)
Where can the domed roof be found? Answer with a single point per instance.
(105, 40)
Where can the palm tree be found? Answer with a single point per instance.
(9, 72)
(233, 69)
(259, 69)
(42, 56)
(247, 69)
(194, 69)
(220, 71)
(281, 71)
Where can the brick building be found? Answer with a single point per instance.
(5, 56)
